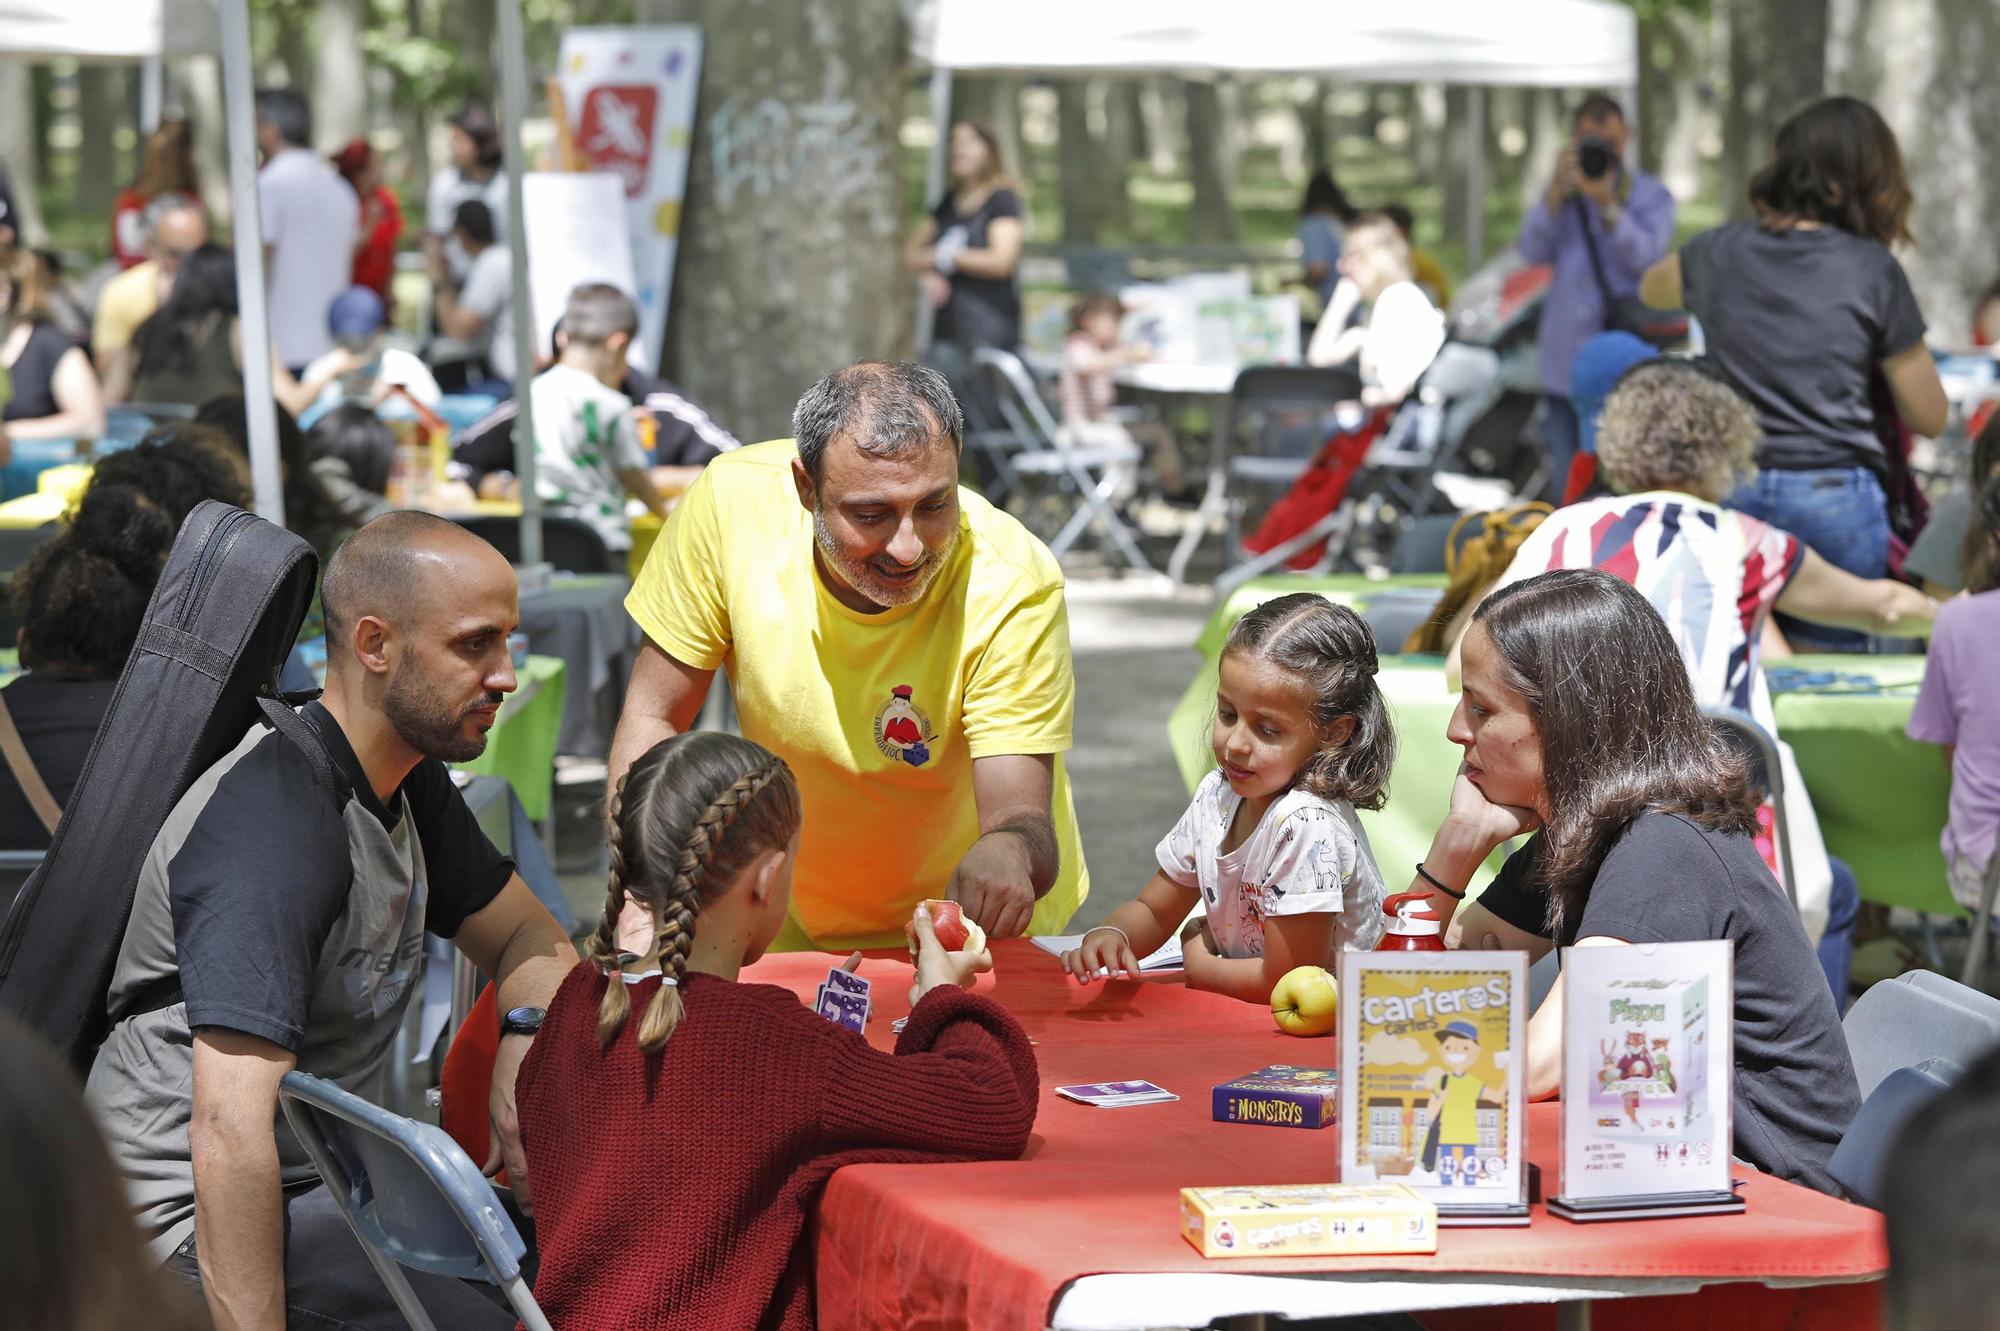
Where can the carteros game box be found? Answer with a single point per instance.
(1281, 1096)
(1308, 1220)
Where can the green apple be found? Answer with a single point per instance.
(1305, 1001)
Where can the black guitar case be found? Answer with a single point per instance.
(221, 622)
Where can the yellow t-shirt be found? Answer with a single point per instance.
(126, 301)
(882, 715)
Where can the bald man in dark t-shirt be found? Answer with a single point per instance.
(274, 928)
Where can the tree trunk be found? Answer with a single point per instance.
(197, 86)
(43, 80)
(1076, 160)
(1454, 158)
(294, 45)
(1546, 135)
(340, 75)
(1316, 121)
(790, 259)
(1211, 221)
(1120, 147)
(1162, 134)
(17, 149)
(1777, 63)
(99, 173)
(1130, 95)
(1679, 137)
(1927, 66)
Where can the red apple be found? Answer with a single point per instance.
(948, 921)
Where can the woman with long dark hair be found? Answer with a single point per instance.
(1803, 308)
(1579, 726)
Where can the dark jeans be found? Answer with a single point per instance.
(1842, 515)
(330, 1285)
(1836, 945)
(1560, 434)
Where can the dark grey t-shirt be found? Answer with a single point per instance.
(285, 919)
(1798, 321)
(1669, 880)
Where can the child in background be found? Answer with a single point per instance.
(588, 454)
(1959, 705)
(1271, 847)
(1087, 390)
(679, 1123)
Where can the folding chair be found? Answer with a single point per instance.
(1856, 1164)
(1260, 392)
(1093, 474)
(1952, 991)
(1766, 771)
(410, 1194)
(1982, 924)
(1899, 1025)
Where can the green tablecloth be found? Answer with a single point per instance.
(1880, 795)
(521, 747)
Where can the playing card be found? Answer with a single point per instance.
(1116, 1094)
(845, 982)
(849, 1010)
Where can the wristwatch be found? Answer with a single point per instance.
(523, 1021)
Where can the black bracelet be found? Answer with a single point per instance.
(1432, 879)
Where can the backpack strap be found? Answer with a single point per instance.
(22, 764)
(304, 733)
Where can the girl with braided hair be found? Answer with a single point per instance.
(672, 1111)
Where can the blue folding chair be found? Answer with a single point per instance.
(410, 1194)
(1857, 1163)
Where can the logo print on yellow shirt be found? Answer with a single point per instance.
(901, 731)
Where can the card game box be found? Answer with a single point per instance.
(1280, 1095)
(1308, 1220)
(1432, 1088)
(1647, 1068)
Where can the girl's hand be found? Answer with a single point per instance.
(935, 966)
(1103, 954)
(1491, 823)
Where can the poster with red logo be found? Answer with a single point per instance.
(630, 97)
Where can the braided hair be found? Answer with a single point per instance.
(689, 817)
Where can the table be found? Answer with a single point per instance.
(521, 746)
(1210, 381)
(1051, 1239)
(581, 618)
(1880, 795)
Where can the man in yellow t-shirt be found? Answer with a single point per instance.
(901, 643)
(175, 227)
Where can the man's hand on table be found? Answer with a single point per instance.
(995, 885)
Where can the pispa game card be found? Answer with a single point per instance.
(1647, 1071)
(1431, 1078)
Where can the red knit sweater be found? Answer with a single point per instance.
(674, 1190)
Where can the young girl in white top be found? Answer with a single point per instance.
(1271, 848)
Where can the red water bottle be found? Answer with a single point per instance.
(1412, 926)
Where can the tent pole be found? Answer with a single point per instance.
(240, 110)
(934, 185)
(514, 110)
(1475, 178)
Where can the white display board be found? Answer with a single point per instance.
(629, 94)
(576, 234)
(1648, 1064)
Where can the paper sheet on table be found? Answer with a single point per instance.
(1167, 958)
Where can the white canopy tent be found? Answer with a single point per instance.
(1477, 43)
(151, 30)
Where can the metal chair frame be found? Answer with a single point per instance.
(1094, 474)
(1744, 728)
(327, 1120)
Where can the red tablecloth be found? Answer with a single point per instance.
(993, 1245)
